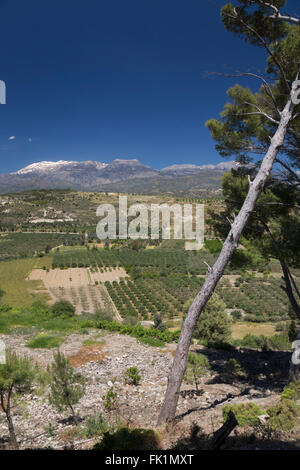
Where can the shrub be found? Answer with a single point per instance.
(283, 416)
(197, 367)
(95, 426)
(158, 343)
(129, 439)
(293, 331)
(132, 376)
(158, 323)
(63, 308)
(234, 368)
(280, 342)
(245, 413)
(236, 315)
(67, 386)
(213, 246)
(291, 392)
(213, 324)
(110, 400)
(101, 315)
(16, 376)
(255, 342)
(45, 342)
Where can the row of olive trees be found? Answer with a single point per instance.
(18, 375)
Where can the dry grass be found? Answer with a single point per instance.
(239, 330)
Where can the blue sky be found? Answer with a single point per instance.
(98, 80)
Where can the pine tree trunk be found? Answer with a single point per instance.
(11, 429)
(168, 409)
(294, 373)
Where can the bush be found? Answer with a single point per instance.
(213, 324)
(213, 246)
(234, 368)
(245, 413)
(158, 343)
(45, 342)
(95, 426)
(291, 392)
(280, 342)
(236, 315)
(129, 439)
(110, 400)
(101, 315)
(63, 308)
(197, 367)
(139, 332)
(255, 342)
(283, 416)
(132, 376)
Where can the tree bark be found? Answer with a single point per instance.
(221, 434)
(168, 409)
(10, 424)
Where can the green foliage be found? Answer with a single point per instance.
(155, 342)
(255, 342)
(95, 426)
(283, 416)
(63, 308)
(139, 332)
(236, 315)
(129, 439)
(110, 400)
(291, 392)
(17, 374)
(213, 324)
(45, 342)
(1, 293)
(233, 367)
(245, 413)
(106, 315)
(67, 386)
(16, 377)
(293, 331)
(158, 323)
(213, 246)
(197, 367)
(132, 376)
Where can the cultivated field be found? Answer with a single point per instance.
(83, 287)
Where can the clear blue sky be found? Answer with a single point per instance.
(98, 80)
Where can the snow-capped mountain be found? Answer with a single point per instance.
(98, 176)
(41, 167)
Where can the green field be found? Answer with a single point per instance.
(18, 291)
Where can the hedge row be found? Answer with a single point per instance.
(139, 332)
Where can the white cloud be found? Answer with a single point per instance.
(30, 139)
(12, 137)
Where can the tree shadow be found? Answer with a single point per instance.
(198, 440)
(265, 370)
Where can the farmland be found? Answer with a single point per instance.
(54, 254)
(139, 284)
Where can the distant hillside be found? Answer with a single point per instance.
(120, 175)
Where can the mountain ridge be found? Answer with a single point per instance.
(93, 175)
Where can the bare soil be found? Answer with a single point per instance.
(82, 287)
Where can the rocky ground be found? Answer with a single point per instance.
(103, 362)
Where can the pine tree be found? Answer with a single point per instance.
(260, 23)
(67, 386)
(16, 376)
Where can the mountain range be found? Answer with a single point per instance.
(120, 175)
